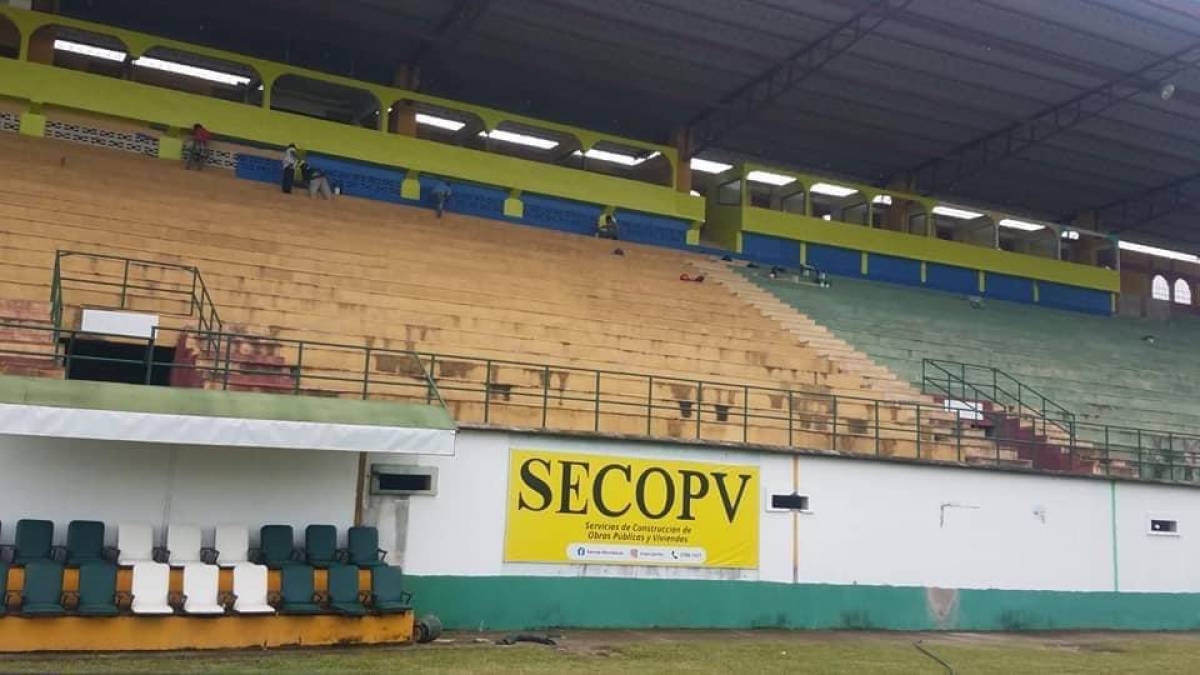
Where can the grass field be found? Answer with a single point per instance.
(647, 652)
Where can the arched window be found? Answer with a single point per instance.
(1183, 292)
(1160, 289)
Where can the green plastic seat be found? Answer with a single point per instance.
(296, 592)
(42, 594)
(387, 591)
(85, 542)
(277, 546)
(320, 545)
(34, 541)
(97, 589)
(362, 545)
(344, 597)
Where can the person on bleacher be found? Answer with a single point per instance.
(608, 228)
(199, 152)
(441, 194)
(289, 168)
(318, 183)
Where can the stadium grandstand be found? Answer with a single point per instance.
(345, 327)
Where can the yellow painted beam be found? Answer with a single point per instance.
(927, 249)
(142, 633)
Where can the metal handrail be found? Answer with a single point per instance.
(488, 391)
(949, 375)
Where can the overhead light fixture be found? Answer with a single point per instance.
(1158, 252)
(615, 157)
(191, 71)
(709, 166)
(89, 50)
(886, 200)
(769, 178)
(439, 122)
(832, 190)
(1070, 234)
(694, 193)
(951, 212)
(1167, 91)
(827, 217)
(1014, 224)
(520, 139)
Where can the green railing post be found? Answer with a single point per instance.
(124, 283)
(1107, 453)
(745, 413)
(228, 347)
(1171, 454)
(962, 381)
(918, 431)
(876, 427)
(1141, 468)
(430, 382)
(487, 391)
(834, 430)
(958, 434)
(300, 369)
(699, 408)
(366, 371)
(649, 404)
(150, 356)
(192, 304)
(546, 394)
(791, 417)
(597, 425)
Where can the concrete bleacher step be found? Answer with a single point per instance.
(27, 339)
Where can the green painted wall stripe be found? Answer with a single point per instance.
(519, 602)
(247, 405)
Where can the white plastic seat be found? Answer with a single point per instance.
(151, 588)
(201, 589)
(183, 543)
(250, 587)
(232, 544)
(135, 543)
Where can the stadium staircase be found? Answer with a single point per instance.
(530, 318)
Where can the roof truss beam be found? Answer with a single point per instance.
(941, 173)
(741, 105)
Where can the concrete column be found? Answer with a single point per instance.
(681, 139)
(403, 119)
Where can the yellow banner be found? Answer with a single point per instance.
(601, 509)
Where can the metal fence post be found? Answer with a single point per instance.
(545, 394)
(699, 407)
(431, 377)
(877, 428)
(649, 404)
(299, 368)
(228, 347)
(1107, 453)
(1141, 467)
(958, 433)
(150, 356)
(366, 371)
(1171, 454)
(487, 391)
(833, 431)
(745, 413)
(597, 401)
(124, 283)
(791, 417)
(918, 431)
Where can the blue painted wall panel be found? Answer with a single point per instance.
(561, 214)
(1074, 298)
(645, 228)
(950, 278)
(893, 269)
(835, 260)
(771, 250)
(1005, 287)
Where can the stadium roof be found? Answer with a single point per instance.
(1047, 108)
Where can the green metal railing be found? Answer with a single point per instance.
(547, 396)
(122, 283)
(971, 382)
